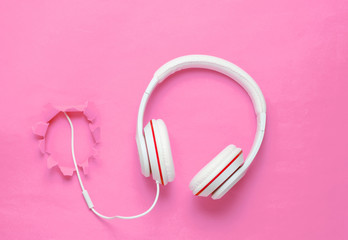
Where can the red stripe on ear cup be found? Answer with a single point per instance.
(227, 179)
(158, 161)
(219, 174)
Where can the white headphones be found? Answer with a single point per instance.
(220, 174)
(228, 167)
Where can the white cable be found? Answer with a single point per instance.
(85, 193)
(131, 217)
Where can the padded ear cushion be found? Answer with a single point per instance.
(158, 147)
(217, 171)
(152, 153)
(164, 149)
(143, 155)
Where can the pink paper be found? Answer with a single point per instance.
(50, 161)
(41, 128)
(106, 52)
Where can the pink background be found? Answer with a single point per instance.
(68, 52)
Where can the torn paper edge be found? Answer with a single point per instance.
(50, 112)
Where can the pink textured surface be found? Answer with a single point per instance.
(68, 52)
(84, 114)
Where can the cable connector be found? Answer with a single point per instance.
(87, 199)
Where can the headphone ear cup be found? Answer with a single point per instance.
(143, 156)
(160, 155)
(165, 151)
(217, 171)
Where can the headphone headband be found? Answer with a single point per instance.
(219, 65)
